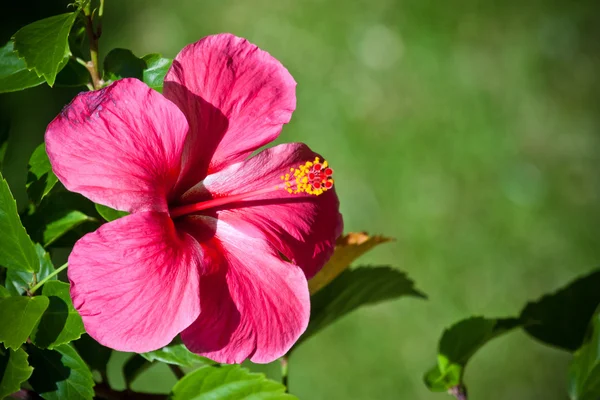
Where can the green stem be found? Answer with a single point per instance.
(52, 275)
(93, 36)
(284, 372)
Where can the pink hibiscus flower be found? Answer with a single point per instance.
(219, 245)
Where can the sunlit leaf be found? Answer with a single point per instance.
(561, 319)
(14, 370)
(16, 248)
(227, 382)
(155, 71)
(458, 344)
(60, 323)
(17, 282)
(110, 214)
(584, 372)
(44, 45)
(18, 316)
(355, 288)
(176, 354)
(14, 75)
(347, 249)
(60, 374)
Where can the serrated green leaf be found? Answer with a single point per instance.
(60, 323)
(18, 316)
(16, 249)
(93, 353)
(122, 63)
(60, 374)
(584, 371)
(44, 45)
(14, 370)
(561, 319)
(156, 68)
(227, 382)
(110, 214)
(40, 178)
(14, 75)
(458, 344)
(176, 354)
(353, 289)
(17, 282)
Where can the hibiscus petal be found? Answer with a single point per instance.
(236, 98)
(302, 227)
(135, 282)
(254, 305)
(120, 146)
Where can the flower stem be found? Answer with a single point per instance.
(93, 36)
(284, 372)
(459, 392)
(53, 274)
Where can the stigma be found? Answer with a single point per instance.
(312, 177)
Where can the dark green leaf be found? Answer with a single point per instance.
(134, 367)
(60, 374)
(355, 288)
(73, 75)
(561, 319)
(227, 382)
(155, 71)
(18, 316)
(44, 45)
(4, 128)
(176, 354)
(16, 249)
(110, 214)
(40, 178)
(122, 63)
(59, 214)
(14, 370)
(584, 372)
(459, 343)
(17, 282)
(93, 353)
(13, 73)
(60, 323)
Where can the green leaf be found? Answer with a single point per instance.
(18, 316)
(134, 367)
(176, 354)
(16, 249)
(14, 370)
(561, 319)
(40, 178)
(61, 323)
(4, 129)
(4, 292)
(347, 249)
(122, 63)
(227, 382)
(584, 372)
(17, 282)
(93, 353)
(155, 71)
(44, 45)
(459, 343)
(55, 229)
(355, 288)
(110, 214)
(60, 374)
(14, 75)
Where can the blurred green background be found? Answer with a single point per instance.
(468, 130)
